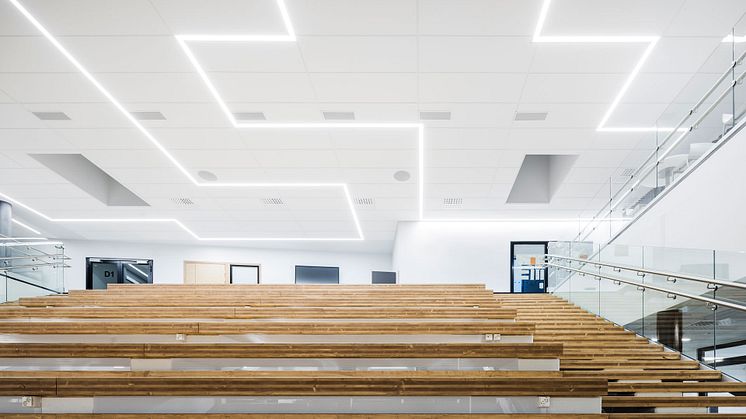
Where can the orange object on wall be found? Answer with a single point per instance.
(533, 260)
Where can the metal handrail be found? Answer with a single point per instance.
(35, 265)
(714, 302)
(685, 277)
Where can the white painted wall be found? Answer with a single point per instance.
(473, 252)
(277, 265)
(705, 211)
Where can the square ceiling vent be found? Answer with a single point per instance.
(339, 116)
(453, 203)
(539, 178)
(148, 116)
(249, 116)
(531, 116)
(52, 116)
(435, 115)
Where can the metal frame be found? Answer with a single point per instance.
(512, 255)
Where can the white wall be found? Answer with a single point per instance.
(473, 252)
(277, 265)
(705, 211)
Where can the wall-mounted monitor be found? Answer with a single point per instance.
(316, 275)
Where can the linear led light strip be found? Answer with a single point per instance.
(171, 158)
(651, 41)
(290, 37)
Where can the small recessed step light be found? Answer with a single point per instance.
(339, 116)
(531, 116)
(450, 203)
(435, 115)
(52, 116)
(273, 202)
(148, 116)
(249, 116)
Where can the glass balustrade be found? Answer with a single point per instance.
(709, 108)
(31, 268)
(690, 300)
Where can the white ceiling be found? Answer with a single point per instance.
(385, 60)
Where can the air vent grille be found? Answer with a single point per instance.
(182, 202)
(530, 116)
(249, 116)
(450, 203)
(148, 116)
(273, 202)
(339, 116)
(435, 115)
(365, 201)
(52, 116)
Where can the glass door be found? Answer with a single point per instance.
(101, 272)
(527, 271)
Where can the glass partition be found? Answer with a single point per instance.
(690, 300)
(698, 118)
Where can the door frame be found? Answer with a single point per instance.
(228, 278)
(246, 265)
(89, 261)
(512, 255)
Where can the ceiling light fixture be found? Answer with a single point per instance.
(651, 41)
(182, 40)
(26, 226)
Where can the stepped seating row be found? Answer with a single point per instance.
(642, 375)
(45, 336)
(631, 376)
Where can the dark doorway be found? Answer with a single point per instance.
(100, 272)
(527, 271)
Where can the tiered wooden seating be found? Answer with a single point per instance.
(286, 310)
(594, 347)
(641, 376)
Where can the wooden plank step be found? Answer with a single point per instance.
(632, 374)
(255, 313)
(271, 350)
(686, 401)
(706, 387)
(268, 327)
(297, 383)
(628, 364)
(308, 416)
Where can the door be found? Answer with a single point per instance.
(527, 271)
(102, 272)
(244, 274)
(205, 273)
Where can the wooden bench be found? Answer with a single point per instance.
(272, 350)
(297, 383)
(104, 327)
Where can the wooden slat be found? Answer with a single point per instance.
(303, 383)
(268, 327)
(8, 312)
(697, 401)
(267, 350)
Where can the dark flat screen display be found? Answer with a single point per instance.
(316, 275)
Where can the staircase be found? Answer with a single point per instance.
(644, 377)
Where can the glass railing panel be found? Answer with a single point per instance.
(622, 304)
(16, 289)
(695, 262)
